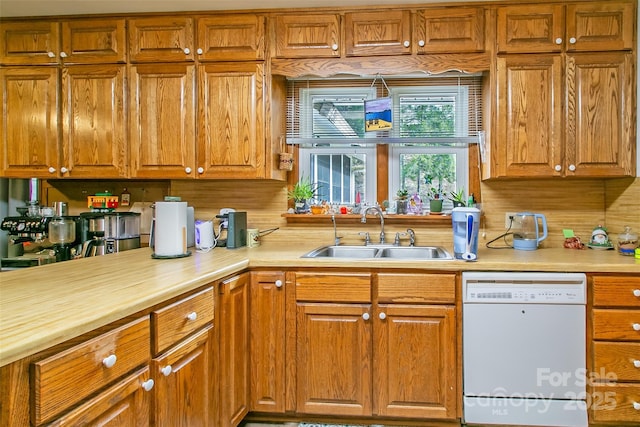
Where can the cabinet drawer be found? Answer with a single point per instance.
(616, 403)
(621, 325)
(66, 378)
(416, 288)
(618, 291)
(619, 358)
(336, 287)
(176, 321)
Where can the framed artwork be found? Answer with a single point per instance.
(377, 114)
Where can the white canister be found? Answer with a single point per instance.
(204, 235)
(170, 229)
(253, 237)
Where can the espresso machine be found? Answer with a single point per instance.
(109, 232)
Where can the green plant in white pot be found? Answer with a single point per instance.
(301, 193)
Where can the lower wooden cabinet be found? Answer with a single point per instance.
(232, 324)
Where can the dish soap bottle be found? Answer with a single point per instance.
(627, 242)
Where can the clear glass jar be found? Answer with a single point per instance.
(627, 242)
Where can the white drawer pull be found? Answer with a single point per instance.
(636, 363)
(166, 371)
(636, 292)
(192, 316)
(148, 384)
(278, 283)
(636, 406)
(365, 316)
(382, 315)
(109, 361)
(636, 326)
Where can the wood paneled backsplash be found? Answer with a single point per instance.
(577, 204)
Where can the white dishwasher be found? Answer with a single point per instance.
(524, 348)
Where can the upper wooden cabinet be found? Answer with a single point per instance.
(450, 30)
(87, 41)
(386, 32)
(601, 26)
(307, 36)
(161, 39)
(231, 38)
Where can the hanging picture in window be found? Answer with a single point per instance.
(377, 114)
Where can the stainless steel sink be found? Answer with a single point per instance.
(381, 252)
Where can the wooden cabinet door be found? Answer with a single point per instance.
(307, 36)
(183, 393)
(29, 42)
(600, 123)
(162, 120)
(161, 39)
(415, 361)
(531, 28)
(29, 122)
(232, 318)
(267, 341)
(231, 137)
(600, 26)
(94, 141)
(385, 32)
(333, 359)
(450, 30)
(126, 403)
(528, 137)
(231, 38)
(93, 41)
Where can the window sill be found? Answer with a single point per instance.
(436, 220)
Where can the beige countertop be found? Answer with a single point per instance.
(46, 305)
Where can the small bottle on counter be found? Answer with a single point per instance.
(627, 242)
(125, 198)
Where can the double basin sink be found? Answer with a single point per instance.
(380, 252)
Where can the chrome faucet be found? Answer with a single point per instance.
(336, 238)
(412, 236)
(363, 219)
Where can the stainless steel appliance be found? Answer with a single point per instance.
(109, 232)
(63, 235)
(26, 234)
(524, 357)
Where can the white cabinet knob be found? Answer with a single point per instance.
(166, 371)
(572, 168)
(406, 43)
(52, 170)
(63, 54)
(199, 51)
(187, 170)
(64, 170)
(365, 316)
(200, 170)
(636, 326)
(636, 406)
(636, 292)
(192, 316)
(572, 40)
(186, 51)
(148, 384)
(558, 168)
(51, 54)
(278, 283)
(382, 315)
(421, 43)
(334, 47)
(559, 40)
(109, 361)
(636, 363)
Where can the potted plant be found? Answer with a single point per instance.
(402, 204)
(457, 198)
(301, 193)
(435, 202)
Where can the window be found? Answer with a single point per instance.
(434, 119)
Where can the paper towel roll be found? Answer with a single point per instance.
(170, 232)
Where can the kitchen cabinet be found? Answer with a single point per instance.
(267, 341)
(86, 41)
(231, 37)
(450, 30)
(232, 324)
(614, 395)
(385, 32)
(601, 26)
(161, 39)
(530, 140)
(388, 353)
(313, 35)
